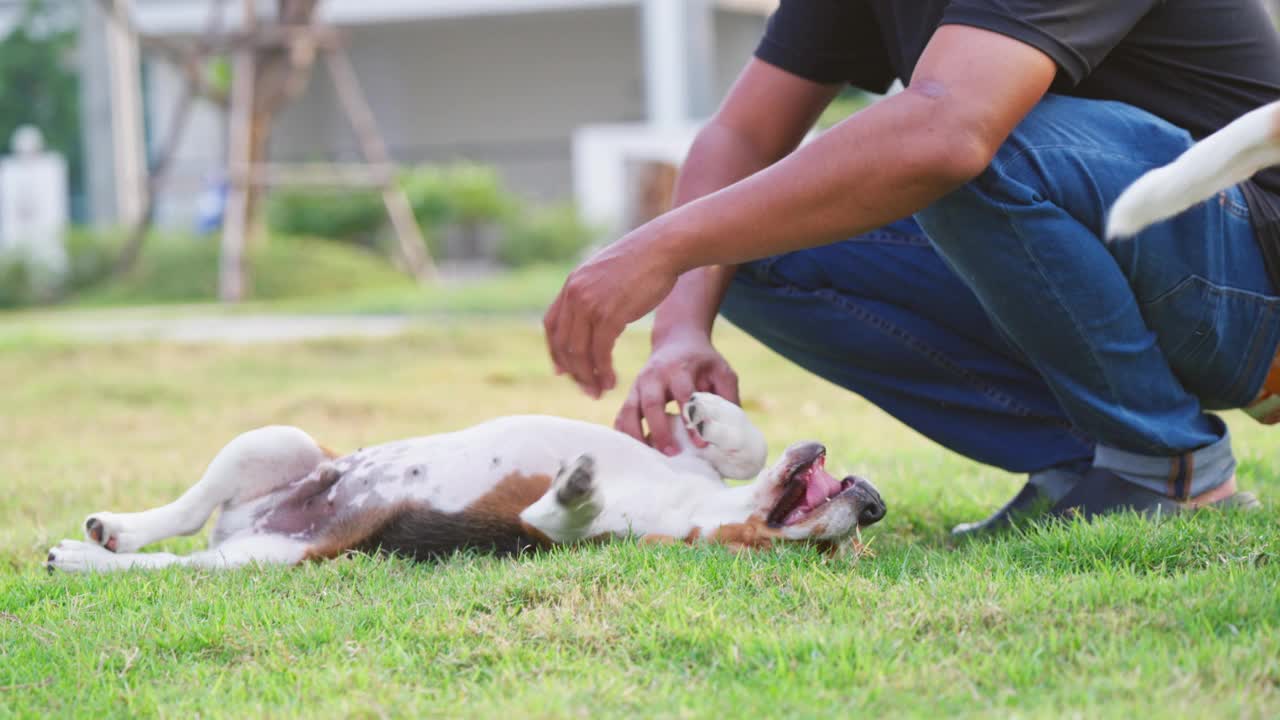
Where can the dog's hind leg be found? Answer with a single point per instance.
(565, 512)
(77, 556)
(248, 467)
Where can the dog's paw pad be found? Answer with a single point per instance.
(576, 481)
(724, 435)
(102, 529)
(708, 408)
(692, 411)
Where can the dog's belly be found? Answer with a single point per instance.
(454, 490)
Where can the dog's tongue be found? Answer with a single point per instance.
(821, 487)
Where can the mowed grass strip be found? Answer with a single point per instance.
(1175, 618)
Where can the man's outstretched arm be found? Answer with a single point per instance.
(765, 116)
(970, 89)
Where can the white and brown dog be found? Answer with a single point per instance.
(503, 486)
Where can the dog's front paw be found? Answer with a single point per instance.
(77, 556)
(735, 447)
(109, 531)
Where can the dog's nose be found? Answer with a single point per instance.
(873, 507)
(871, 513)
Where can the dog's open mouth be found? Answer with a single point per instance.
(808, 487)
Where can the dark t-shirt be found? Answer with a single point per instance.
(1197, 63)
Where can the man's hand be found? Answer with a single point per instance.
(679, 366)
(613, 288)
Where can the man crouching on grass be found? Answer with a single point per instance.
(941, 253)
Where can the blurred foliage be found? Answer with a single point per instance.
(302, 259)
(39, 84)
(181, 268)
(545, 234)
(185, 269)
(351, 215)
(474, 193)
(462, 195)
(217, 73)
(90, 257)
(846, 103)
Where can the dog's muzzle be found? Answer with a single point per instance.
(870, 506)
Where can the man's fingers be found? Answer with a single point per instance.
(573, 342)
(724, 383)
(628, 420)
(653, 405)
(550, 326)
(681, 388)
(602, 341)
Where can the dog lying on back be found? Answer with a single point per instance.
(1232, 155)
(503, 486)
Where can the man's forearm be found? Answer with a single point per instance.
(879, 166)
(719, 158)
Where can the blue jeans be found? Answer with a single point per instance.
(1004, 327)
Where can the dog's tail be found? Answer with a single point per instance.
(1231, 155)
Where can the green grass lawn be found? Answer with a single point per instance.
(1123, 618)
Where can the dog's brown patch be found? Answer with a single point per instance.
(511, 496)
(689, 539)
(353, 531)
(413, 528)
(753, 534)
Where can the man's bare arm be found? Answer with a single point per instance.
(970, 89)
(765, 116)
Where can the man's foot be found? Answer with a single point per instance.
(1102, 492)
(1042, 490)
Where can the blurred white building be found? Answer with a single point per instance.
(503, 82)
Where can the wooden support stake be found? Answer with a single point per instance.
(236, 220)
(413, 246)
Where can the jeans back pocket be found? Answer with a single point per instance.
(1218, 340)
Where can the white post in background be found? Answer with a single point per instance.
(127, 137)
(33, 211)
(678, 60)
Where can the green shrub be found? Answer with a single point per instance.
(89, 261)
(180, 268)
(15, 285)
(477, 194)
(353, 216)
(441, 196)
(547, 234)
(427, 188)
(92, 257)
(461, 195)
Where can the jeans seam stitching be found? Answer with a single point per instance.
(1002, 165)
